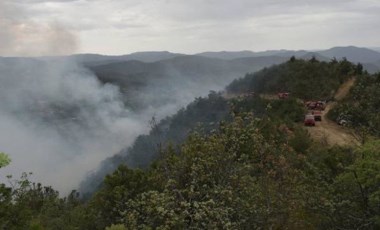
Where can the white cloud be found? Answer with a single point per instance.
(116, 26)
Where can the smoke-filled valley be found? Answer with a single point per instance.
(62, 116)
(246, 114)
(60, 119)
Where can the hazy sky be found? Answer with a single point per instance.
(33, 27)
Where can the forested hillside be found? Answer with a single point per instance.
(306, 79)
(215, 108)
(248, 173)
(241, 162)
(202, 115)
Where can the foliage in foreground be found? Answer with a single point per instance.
(4, 160)
(250, 173)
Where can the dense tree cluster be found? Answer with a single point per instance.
(202, 113)
(306, 79)
(249, 173)
(29, 205)
(361, 109)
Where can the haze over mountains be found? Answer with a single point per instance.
(84, 108)
(352, 53)
(184, 76)
(375, 48)
(367, 56)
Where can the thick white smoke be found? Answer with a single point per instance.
(58, 121)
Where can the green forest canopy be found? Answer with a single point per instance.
(251, 168)
(304, 79)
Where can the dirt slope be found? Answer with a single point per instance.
(344, 89)
(329, 132)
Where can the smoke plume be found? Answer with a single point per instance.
(20, 35)
(56, 119)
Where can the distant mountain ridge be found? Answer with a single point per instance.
(375, 49)
(151, 56)
(369, 57)
(229, 55)
(352, 53)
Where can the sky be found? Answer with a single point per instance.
(113, 27)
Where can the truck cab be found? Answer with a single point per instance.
(309, 120)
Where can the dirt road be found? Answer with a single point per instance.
(329, 132)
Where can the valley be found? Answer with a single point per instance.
(139, 122)
(161, 115)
